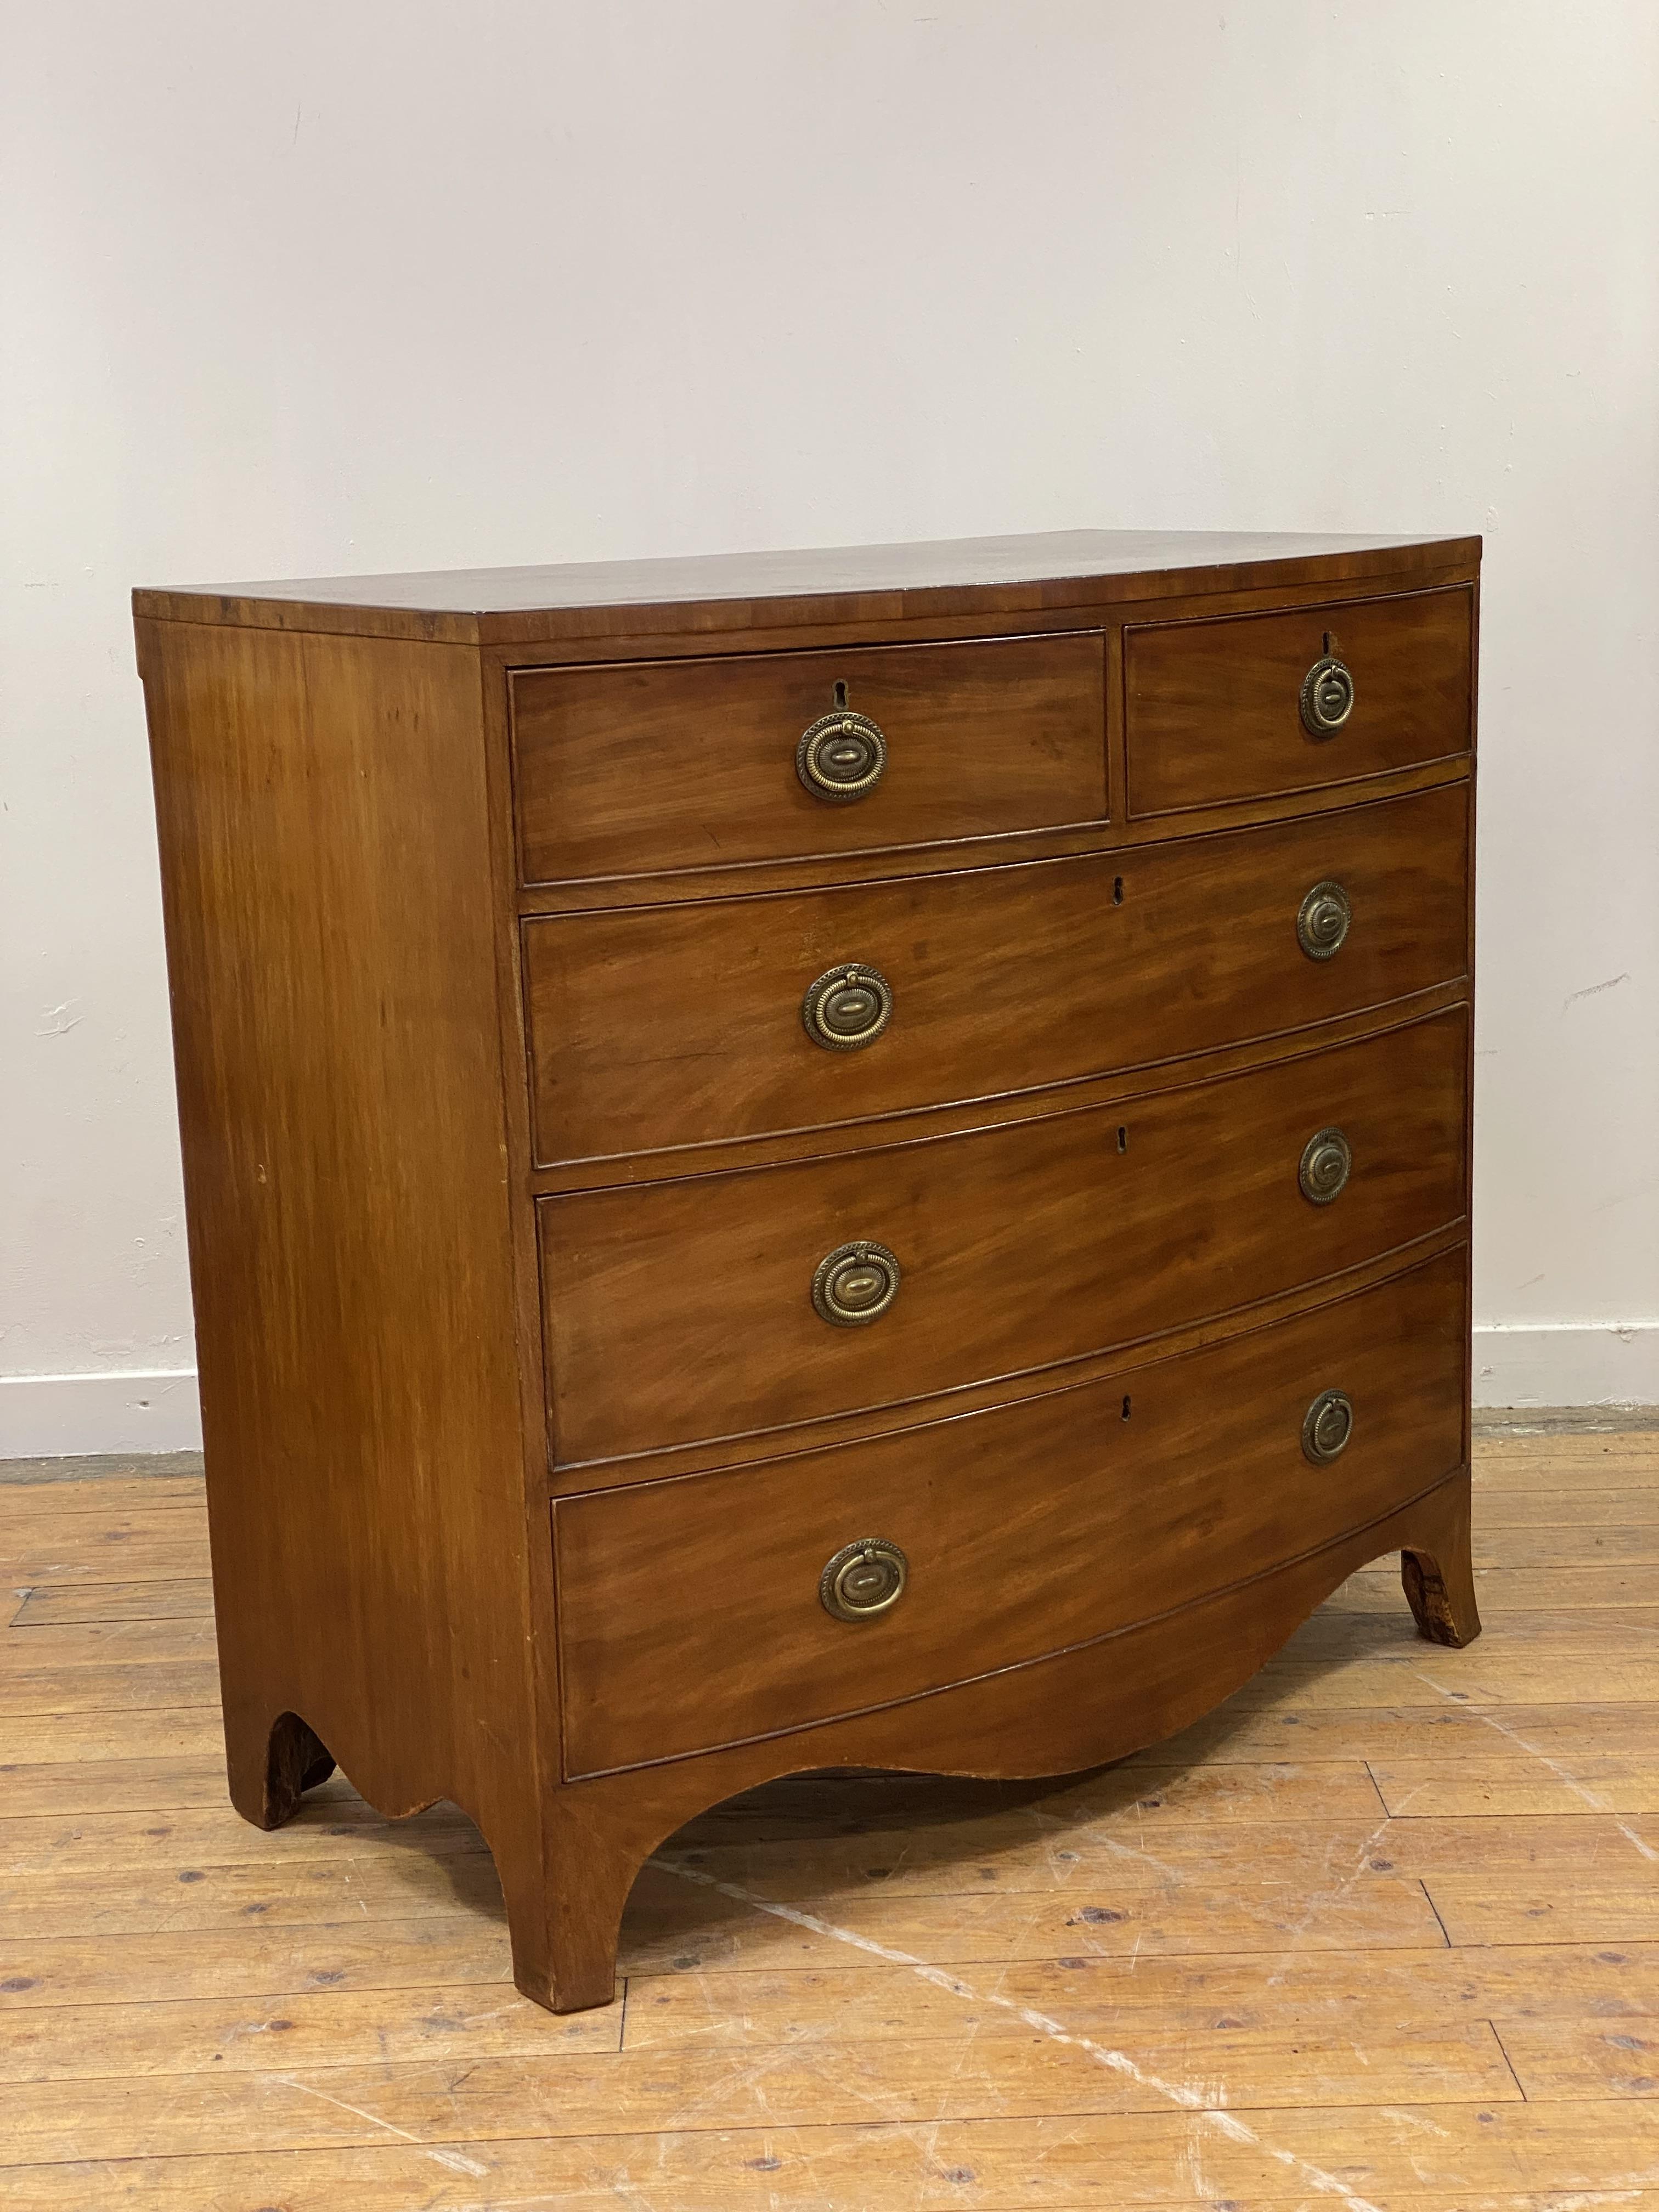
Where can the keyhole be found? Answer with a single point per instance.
(841, 693)
(1330, 645)
(1117, 890)
(1122, 1140)
(1125, 1405)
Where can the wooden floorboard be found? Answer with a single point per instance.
(1383, 1932)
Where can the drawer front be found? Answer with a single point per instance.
(674, 1025)
(679, 1312)
(690, 1611)
(1214, 709)
(623, 770)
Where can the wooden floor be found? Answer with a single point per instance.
(1383, 1932)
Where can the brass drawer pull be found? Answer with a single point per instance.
(864, 1579)
(1326, 1164)
(1327, 1427)
(855, 1284)
(1322, 920)
(847, 1007)
(1327, 697)
(841, 757)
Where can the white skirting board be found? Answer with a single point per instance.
(156, 1410)
(128, 1410)
(1567, 1364)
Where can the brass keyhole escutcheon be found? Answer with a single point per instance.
(1325, 700)
(847, 1007)
(854, 1285)
(1326, 1164)
(863, 1579)
(1322, 920)
(841, 757)
(1327, 1427)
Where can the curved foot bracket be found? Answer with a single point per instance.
(1441, 1595)
(296, 1761)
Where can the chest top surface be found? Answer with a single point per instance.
(1052, 569)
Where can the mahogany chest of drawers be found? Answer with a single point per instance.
(844, 1158)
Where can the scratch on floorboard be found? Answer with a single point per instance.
(1116, 2061)
(1593, 1798)
(454, 2159)
(1326, 1899)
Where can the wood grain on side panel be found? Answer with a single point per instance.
(661, 1027)
(321, 809)
(1025, 1529)
(683, 1310)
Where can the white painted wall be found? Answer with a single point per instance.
(365, 286)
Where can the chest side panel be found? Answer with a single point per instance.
(325, 855)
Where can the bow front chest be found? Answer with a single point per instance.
(834, 1158)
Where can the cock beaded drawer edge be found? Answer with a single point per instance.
(841, 1158)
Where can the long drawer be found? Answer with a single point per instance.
(670, 1025)
(690, 1612)
(669, 764)
(1253, 705)
(684, 1311)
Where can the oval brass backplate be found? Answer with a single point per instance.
(855, 1284)
(1322, 920)
(1327, 697)
(1326, 1164)
(863, 1579)
(841, 757)
(847, 1007)
(1327, 1427)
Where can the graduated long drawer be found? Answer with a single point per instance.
(690, 1611)
(677, 1312)
(666, 1026)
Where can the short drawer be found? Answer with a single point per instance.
(623, 770)
(681, 1312)
(665, 1026)
(691, 1613)
(1251, 706)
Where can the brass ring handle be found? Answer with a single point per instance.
(841, 757)
(1327, 697)
(863, 1579)
(1326, 1164)
(854, 1285)
(1322, 920)
(1327, 1426)
(847, 1007)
